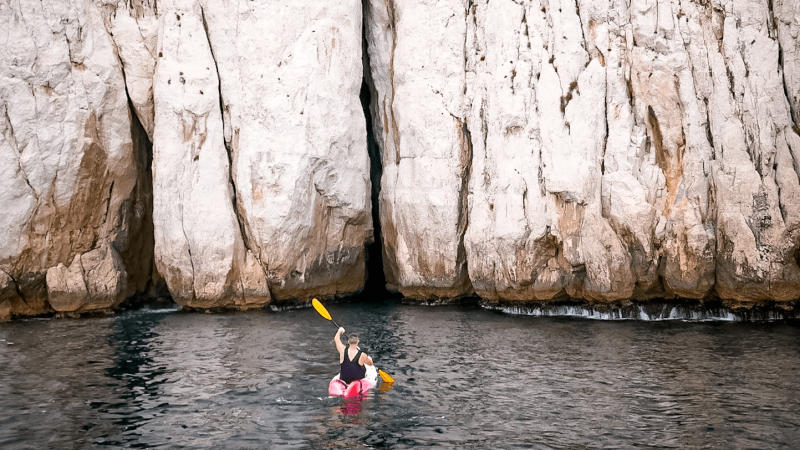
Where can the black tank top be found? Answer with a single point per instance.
(351, 370)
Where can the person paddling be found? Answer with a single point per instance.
(351, 358)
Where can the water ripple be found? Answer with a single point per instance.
(466, 378)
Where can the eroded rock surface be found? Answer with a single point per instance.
(133, 26)
(257, 112)
(530, 149)
(72, 210)
(617, 150)
(416, 53)
(198, 243)
(290, 75)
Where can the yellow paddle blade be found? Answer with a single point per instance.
(385, 377)
(320, 309)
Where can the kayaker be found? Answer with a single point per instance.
(351, 358)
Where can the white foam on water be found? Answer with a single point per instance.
(280, 308)
(561, 311)
(635, 312)
(159, 311)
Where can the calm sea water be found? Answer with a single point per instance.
(465, 378)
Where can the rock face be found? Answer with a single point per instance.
(260, 173)
(258, 116)
(290, 75)
(133, 26)
(606, 150)
(198, 244)
(70, 180)
(417, 67)
(530, 150)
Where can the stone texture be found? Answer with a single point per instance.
(617, 149)
(198, 243)
(298, 224)
(531, 150)
(68, 177)
(416, 54)
(750, 122)
(290, 75)
(785, 16)
(133, 26)
(274, 198)
(94, 277)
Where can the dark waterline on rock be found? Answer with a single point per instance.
(466, 378)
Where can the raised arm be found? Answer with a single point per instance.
(338, 340)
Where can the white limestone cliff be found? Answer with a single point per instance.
(531, 150)
(133, 26)
(290, 75)
(416, 54)
(72, 213)
(618, 150)
(198, 243)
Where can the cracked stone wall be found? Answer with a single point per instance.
(617, 149)
(417, 68)
(290, 76)
(198, 244)
(261, 175)
(531, 150)
(71, 190)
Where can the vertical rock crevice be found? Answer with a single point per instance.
(375, 283)
(395, 130)
(253, 286)
(141, 272)
(465, 161)
(234, 197)
(375, 277)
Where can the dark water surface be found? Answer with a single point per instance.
(466, 378)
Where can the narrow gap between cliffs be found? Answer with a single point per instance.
(375, 282)
(375, 277)
(150, 287)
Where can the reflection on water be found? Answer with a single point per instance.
(465, 378)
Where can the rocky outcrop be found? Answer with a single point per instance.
(615, 150)
(70, 181)
(785, 18)
(417, 67)
(290, 76)
(260, 177)
(263, 101)
(530, 150)
(133, 26)
(198, 244)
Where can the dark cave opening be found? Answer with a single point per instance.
(150, 288)
(375, 283)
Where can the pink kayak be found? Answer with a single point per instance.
(339, 388)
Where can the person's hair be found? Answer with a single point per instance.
(352, 338)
